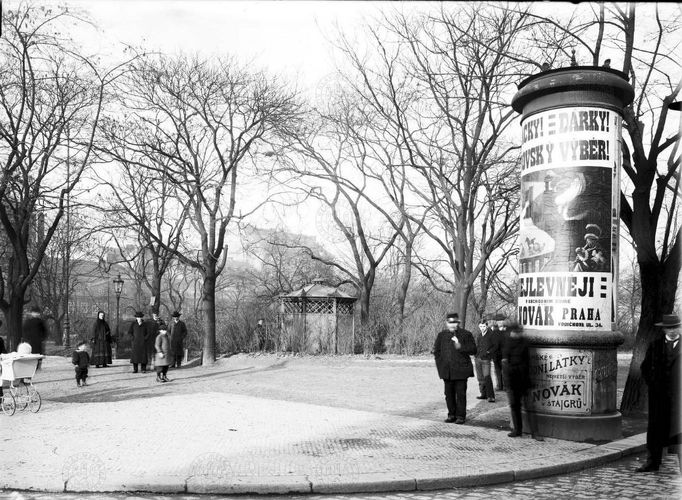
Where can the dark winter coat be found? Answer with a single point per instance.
(499, 337)
(34, 332)
(81, 359)
(453, 363)
(516, 369)
(101, 343)
(140, 334)
(162, 347)
(178, 333)
(486, 346)
(662, 376)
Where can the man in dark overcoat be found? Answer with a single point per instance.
(140, 332)
(34, 331)
(661, 371)
(453, 349)
(516, 371)
(178, 333)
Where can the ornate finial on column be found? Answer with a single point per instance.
(573, 61)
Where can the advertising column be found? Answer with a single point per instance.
(568, 246)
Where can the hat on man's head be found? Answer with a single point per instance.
(452, 317)
(669, 321)
(176, 314)
(139, 314)
(514, 327)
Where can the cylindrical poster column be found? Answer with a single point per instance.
(568, 238)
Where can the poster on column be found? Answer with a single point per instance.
(570, 164)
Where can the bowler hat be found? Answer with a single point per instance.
(453, 317)
(176, 314)
(139, 314)
(669, 321)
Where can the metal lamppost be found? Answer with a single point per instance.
(118, 288)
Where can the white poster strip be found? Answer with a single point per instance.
(561, 380)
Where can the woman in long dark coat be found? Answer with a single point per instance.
(140, 333)
(101, 342)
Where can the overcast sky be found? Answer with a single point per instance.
(286, 37)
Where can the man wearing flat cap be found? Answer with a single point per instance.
(452, 350)
(178, 332)
(661, 371)
(140, 332)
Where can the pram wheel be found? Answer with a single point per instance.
(34, 400)
(8, 404)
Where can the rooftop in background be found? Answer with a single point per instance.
(318, 289)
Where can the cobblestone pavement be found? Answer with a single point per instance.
(613, 481)
(247, 420)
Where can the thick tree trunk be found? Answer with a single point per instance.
(461, 302)
(208, 318)
(14, 317)
(659, 285)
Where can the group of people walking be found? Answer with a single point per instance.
(497, 344)
(153, 343)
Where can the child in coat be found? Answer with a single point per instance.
(81, 359)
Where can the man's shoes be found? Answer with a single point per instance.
(459, 421)
(134, 371)
(537, 437)
(481, 397)
(514, 434)
(449, 420)
(491, 400)
(647, 467)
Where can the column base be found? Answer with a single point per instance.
(607, 427)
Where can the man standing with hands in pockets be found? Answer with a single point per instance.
(452, 350)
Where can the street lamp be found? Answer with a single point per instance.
(118, 288)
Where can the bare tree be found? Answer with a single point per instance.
(331, 160)
(51, 99)
(441, 84)
(140, 205)
(207, 121)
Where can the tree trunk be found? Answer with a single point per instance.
(406, 277)
(208, 318)
(364, 305)
(14, 318)
(461, 301)
(659, 285)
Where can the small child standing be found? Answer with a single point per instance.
(81, 359)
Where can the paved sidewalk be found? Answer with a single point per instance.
(126, 433)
